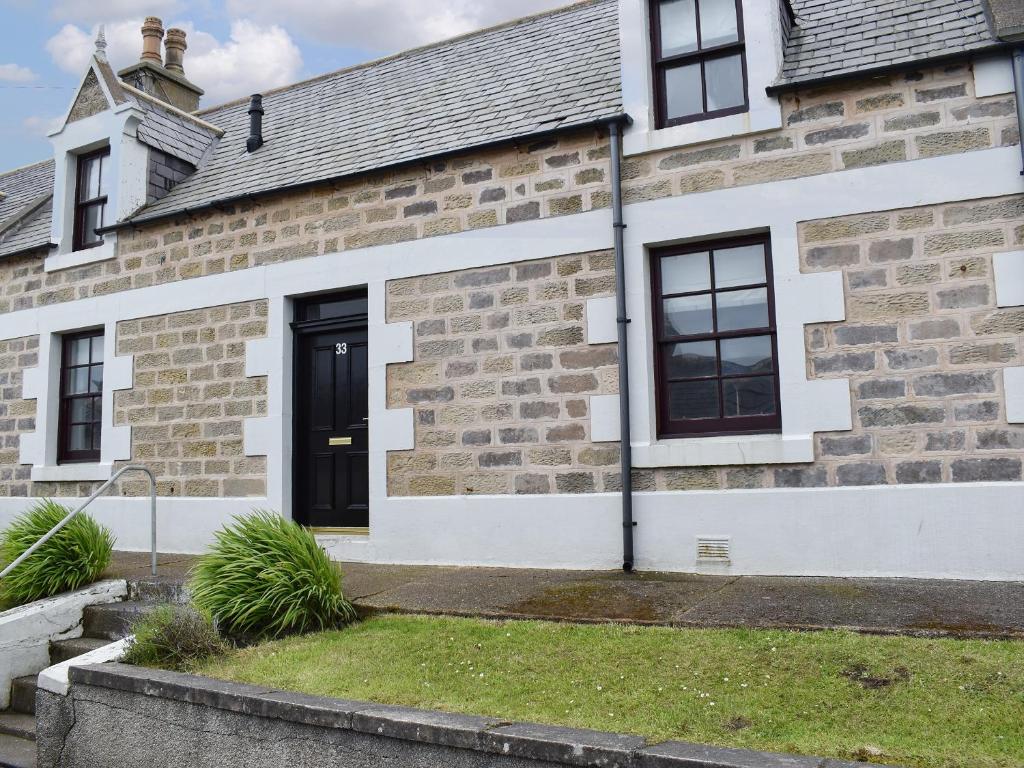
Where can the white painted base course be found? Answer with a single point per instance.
(26, 631)
(936, 531)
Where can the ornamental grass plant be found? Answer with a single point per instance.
(266, 576)
(72, 559)
(176, 637)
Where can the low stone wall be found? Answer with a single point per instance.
(117, 715)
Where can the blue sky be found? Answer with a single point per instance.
(236, 47)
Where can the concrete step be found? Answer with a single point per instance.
(23, 695)
(16, 752)
(112, 621)
(157, 590)
(62, 650)
(18, 724)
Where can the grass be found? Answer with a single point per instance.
(939, 703)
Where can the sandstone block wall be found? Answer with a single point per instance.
(883, 120)
(17, 416)
(502, 379)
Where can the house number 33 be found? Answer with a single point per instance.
(341, 349)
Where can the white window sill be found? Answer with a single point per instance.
(60, 261)
(72, 473)
(639, 141)
(725, 451)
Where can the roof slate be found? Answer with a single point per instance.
(540, 74)
(25, 212)
(172, 133)
(834, 39)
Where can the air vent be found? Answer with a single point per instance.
(713, 549)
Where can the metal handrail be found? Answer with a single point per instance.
(53, 531)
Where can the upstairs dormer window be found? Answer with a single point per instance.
(700, 68)
(91, 198)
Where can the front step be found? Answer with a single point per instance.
(17, 724)
(16, 752)
(23, 695)
(62, 650)
(113, 621)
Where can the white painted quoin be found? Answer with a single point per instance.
(941, 530)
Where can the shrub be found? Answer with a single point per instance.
(73, 558)
(174, 637)
(266, 576)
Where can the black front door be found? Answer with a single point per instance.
(331, 447)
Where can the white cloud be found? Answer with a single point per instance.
(41, 126)
(14, 73)
(386, 27)
(89, 11)
(255, 58)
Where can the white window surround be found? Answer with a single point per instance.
(129, 159)
(993, 75)
(1008, 272)
(42, 384)
(762, 32)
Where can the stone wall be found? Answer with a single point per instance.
(188, 403)
(900, 117)
(501, 382)
(502, 379)
(17, 416)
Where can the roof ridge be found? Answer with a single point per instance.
(25, 167)
(410, 51)
(173, 109)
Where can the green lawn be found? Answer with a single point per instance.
(909, 701)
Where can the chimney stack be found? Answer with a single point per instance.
(152, 34)
(174, 48)
(162, 78)
(255, 140)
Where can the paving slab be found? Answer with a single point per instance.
(907, 606)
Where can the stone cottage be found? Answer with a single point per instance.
(416, 304)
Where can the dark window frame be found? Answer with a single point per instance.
(722, 426)
(65, 455)
(660, 64)
(81, 206)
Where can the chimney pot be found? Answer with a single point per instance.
(174, 50)
(255, 140)
(152, 34)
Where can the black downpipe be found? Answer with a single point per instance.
(255, 140)
(626, 452)
(1018, 82)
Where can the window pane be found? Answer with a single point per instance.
(79, 352)
(683, 95)
(82, 410)
(749, 397)
(739, 266)
(80, 438)
(97, 349)
(751, 355)
(96, 433)
(688, 273)
(92, 218)
(96, 378)
(89, 184)
(690, 361)
(77, 381)
(718, 23)
(725, 82)
(743, 309)
(688, 315)
(693, 400)
(104, 163)
(678, 27)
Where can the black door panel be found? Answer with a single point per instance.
(331, 440)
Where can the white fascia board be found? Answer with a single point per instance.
(763, 36)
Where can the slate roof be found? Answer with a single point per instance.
(536, 75)
(835, 39)
(171, 131)
(25, 208)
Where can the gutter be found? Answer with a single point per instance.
(622, 324)
(137, 221)
(1018, 83)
